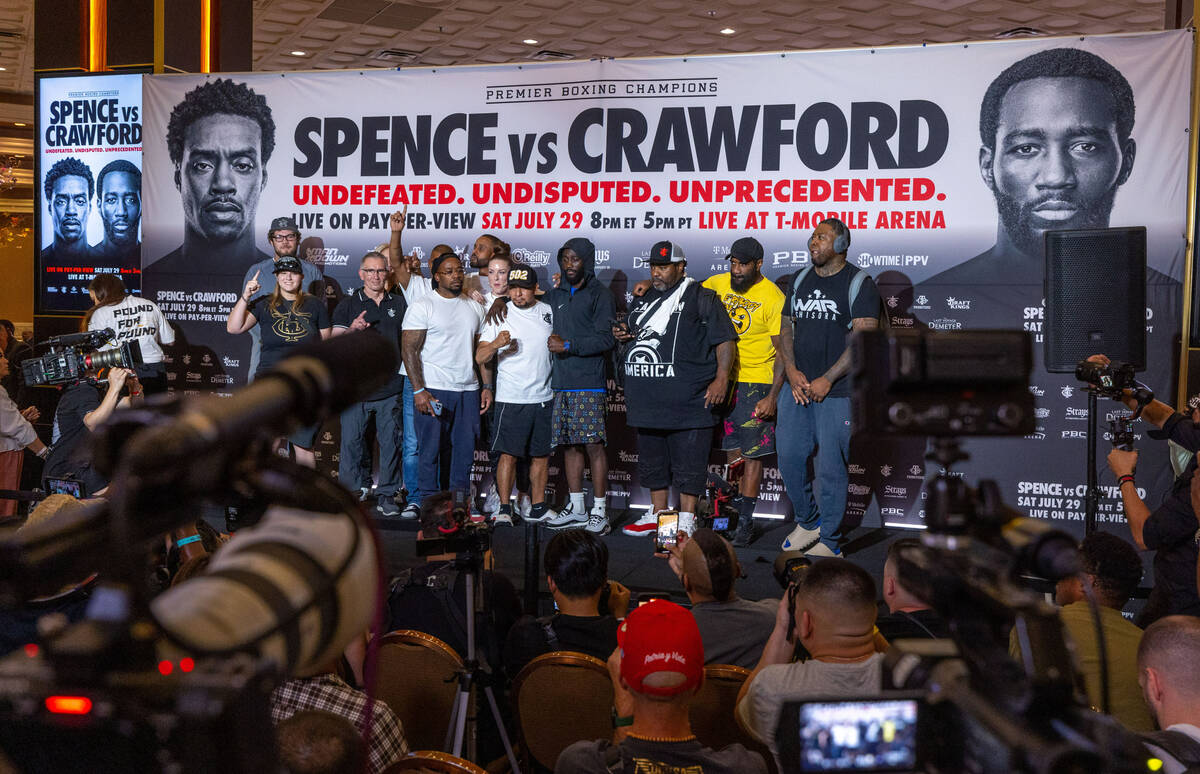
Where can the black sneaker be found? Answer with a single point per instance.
(387, 507)
(744, 533)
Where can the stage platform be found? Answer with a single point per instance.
(632, 561)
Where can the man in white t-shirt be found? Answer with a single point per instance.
(440, 333)
(134, 318)
(524, 399)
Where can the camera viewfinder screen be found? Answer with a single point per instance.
(859, 736)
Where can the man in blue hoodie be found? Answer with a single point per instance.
(582, 337)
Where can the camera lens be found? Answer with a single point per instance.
(109, 359)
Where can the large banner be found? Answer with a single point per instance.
(946, 162)
(90, 186)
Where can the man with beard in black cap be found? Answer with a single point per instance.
(582, 337)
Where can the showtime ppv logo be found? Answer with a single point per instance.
(867, 260)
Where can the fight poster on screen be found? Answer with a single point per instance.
(947, 162)
(90, 186)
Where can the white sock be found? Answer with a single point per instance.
(600, 505)
(577, 503)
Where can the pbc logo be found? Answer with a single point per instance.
(1074, 434)
(892, 511)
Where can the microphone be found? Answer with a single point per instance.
(172, 454)
(191, 453)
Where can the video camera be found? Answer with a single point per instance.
(457, 533)
(1112, 381)
(72, 356)
(981, 711)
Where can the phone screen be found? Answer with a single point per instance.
(668, 530)
(720, 523)
(865, 735)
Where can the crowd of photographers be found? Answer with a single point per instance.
(490, 358)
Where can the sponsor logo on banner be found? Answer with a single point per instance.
(1036, 391)
(1076, 413)
(895, 491)
(1067, 391)
(945, 324)
(221, 379)
(916, 473)
(625, 456)
(1074, 434)
(206, 361)
(788, 258)
(542, 257)
(921, 303)
(902, 322)
(855, 469)
(1037, 435)
(1041, 412)
(885, 470)
(958, 304)
(602, 257)
(859, 490)
(893, 302)
(867, 260)
(327, 256)
(171, 376)
(889, 511)
(194, 377)
(229, 362)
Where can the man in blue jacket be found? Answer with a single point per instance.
(581, 339)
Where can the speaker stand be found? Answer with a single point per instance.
(1092, 495)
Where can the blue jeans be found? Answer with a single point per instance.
(448, 440)
(799, 430)
(354, 427)
(412, 463)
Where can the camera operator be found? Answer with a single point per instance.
(432, 597)
(81, 409)
(830, 608)
(908, 616)
(1169, 530)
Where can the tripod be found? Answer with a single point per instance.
(473, 674)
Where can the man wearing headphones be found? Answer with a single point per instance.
(824, 303)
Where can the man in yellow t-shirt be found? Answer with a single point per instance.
(748, 430)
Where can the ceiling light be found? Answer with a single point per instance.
(529, 42)
(3, 69)
(296, 53)
(20, 123)
(728, 31)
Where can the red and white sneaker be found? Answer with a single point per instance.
(646, 525)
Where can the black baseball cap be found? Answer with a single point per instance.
(666, 252)
(521, 276)
(746, 250)
(282, 224)
(288, 263)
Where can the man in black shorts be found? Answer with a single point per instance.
(524, 399)
(677, 367)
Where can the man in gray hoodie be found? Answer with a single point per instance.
(584, 312)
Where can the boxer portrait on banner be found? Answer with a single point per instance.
(1056, 130)
(219, 138)
(69, 187)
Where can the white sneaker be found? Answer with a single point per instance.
(598, 523)
(502, 518)
(646, 525)
(801, 539)
(567, 517)
(524, 505)
(491, 504)
(822, 550)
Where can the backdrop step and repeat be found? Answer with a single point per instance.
(942, 184)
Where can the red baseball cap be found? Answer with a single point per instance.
(661, 638)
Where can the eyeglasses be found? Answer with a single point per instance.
(285, 237)
(373, 271)
(458, 270)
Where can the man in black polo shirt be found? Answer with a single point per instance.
(682, 346)
(372, 307)
(1171, 529)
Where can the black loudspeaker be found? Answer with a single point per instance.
(1095, 296)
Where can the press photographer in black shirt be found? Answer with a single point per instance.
(1170, 530)
(83, 407)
